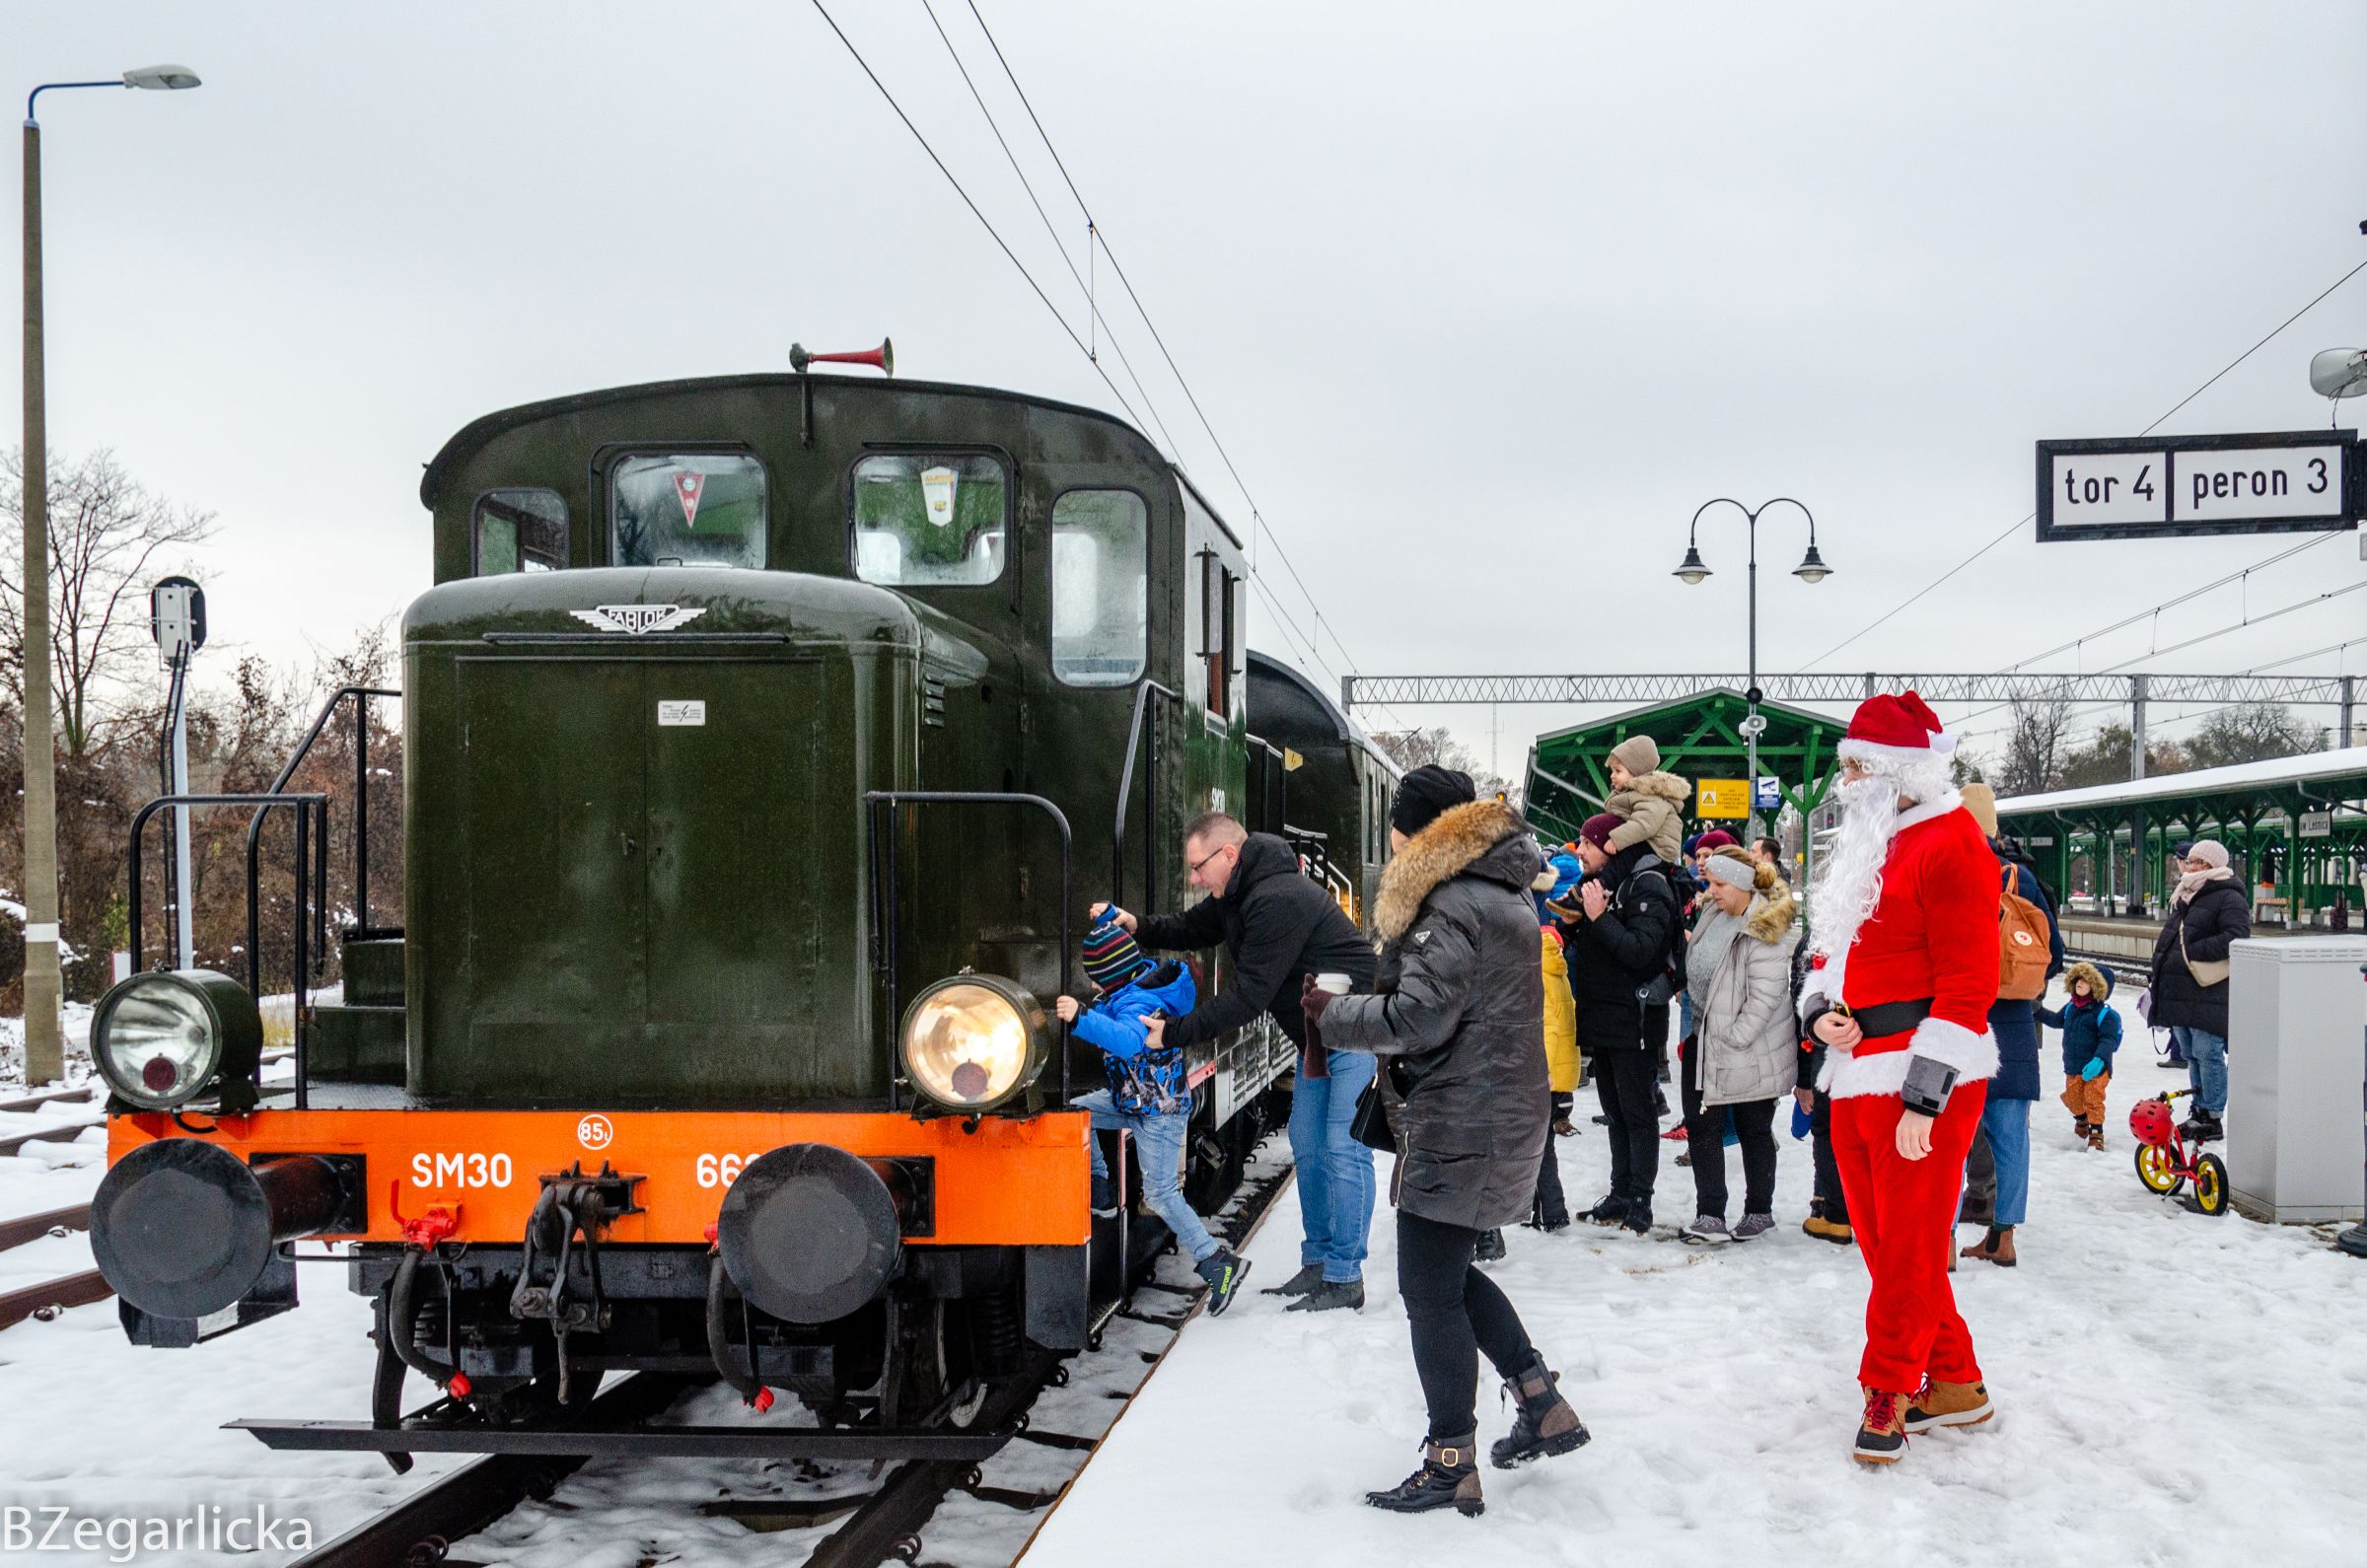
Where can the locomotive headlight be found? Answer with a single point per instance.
(972, 1041)
(160, 1038)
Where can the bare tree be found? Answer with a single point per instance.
(2033, 756)
(1412, 749)
(110, 539)
(2252, 731)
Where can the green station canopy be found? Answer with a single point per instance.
(1699, 738)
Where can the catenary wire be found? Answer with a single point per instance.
(2030, 517)
(1025, 185)
(1101, 235)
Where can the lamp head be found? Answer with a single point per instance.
(2340, 372)
(1692, 570)
(162, 77)
(1812, 567)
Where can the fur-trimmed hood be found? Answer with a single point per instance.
(1772, 913)
(2100, 983)
(1460, 840)
(1668, 786)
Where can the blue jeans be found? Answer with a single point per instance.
(1335, 1171)
(2006, 1124)
(2206, 1066)
(1159, 1149)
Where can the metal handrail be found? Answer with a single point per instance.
(307, 803)
(1125, 788)
(361, 817)
(886, 929)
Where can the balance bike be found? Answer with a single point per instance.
(2163, 1162)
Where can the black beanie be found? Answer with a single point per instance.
(1426, 792)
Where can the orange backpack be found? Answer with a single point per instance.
(2023, 948)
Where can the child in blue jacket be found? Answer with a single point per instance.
(2091, 1034)
(1149, 1096)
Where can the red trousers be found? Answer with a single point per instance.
(1903, 1213)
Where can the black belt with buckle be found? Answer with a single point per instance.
(1890, 1017)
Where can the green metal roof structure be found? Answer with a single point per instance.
(2298, 822)
(1699, 738)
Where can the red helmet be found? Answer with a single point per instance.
(2150, 1120)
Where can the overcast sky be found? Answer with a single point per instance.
(1483, 300)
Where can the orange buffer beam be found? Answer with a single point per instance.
(1009, 1183)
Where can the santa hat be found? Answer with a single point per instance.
(1901, 729)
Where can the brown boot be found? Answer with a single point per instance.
(1947, 1404)
(2096, 1135)
(1979, 1249)
(1882, 1431)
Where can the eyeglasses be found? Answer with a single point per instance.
(1211, 855)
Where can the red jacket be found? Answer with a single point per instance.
(1933, 934)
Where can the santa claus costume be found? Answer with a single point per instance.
(1903, 930)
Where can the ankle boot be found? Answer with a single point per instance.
(1545, 1424)
(2001, 1246)
(1448, 1479)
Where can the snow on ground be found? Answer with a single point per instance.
(2171, 1389)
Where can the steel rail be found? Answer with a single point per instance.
(45, 1300)
(65, 1132)
(33, 1227)
(47, 1098)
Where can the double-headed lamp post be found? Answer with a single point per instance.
(1812, 569)
(44, 1044)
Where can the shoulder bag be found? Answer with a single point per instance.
(2208, 973)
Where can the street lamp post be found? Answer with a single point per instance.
(44, 1043)
(1812, 569)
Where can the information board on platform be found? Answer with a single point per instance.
(1722, 797)
(2166, 486)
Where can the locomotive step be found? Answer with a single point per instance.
(374, 972)
(753, 1442)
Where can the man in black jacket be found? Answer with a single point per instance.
(1618, 939)
(1278, 927)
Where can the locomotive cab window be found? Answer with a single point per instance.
(687, 508)
(519, 531)
(1101, 587)
(930, 522)
(1220, 645)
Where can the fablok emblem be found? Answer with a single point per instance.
(635, 619)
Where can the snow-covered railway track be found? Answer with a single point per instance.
(1055, 1421)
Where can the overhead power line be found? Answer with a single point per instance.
(2028, 517)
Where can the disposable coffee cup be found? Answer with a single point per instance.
(1336, 984)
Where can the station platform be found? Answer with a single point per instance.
(2171, 1389)
(2116, 937)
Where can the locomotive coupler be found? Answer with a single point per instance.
(573, 1207)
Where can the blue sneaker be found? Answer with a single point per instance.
(1224, 1271)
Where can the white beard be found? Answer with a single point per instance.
(1848, 883)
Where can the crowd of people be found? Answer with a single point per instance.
(1902, 1023)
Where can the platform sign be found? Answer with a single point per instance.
(2164, 486)
(2315, 824)
(1721, 796)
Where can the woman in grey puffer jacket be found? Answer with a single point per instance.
(1745, 1053)
(1457, 1020)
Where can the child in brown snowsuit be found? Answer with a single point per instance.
(1645, 800)
(2091, 1034)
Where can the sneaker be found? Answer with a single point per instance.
(1684, 1160)
(1638, 1216)
(1882, 1430)
(1449, 1478)
(1331, 1296)
(1610, 1211)
(1601, 1121)
(1707, 1228)
(1824, 1230)
(1105, 1197)
(1754, 1225)
(1305, 1282)
(1224, 1271)
(2202, 1127)
(1490, 1246)
(1947, 1404)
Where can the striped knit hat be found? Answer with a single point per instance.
(1110, 957)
